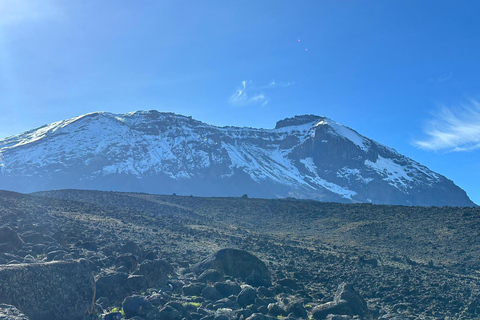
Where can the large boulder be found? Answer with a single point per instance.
(49, 291)
(8, 235)
(237, 263)
(346, 302)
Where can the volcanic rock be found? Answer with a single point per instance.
(49, 291)
(239, 264)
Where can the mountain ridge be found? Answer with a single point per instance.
(306, 156)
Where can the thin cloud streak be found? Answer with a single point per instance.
(249, 94)
(453, 130)
(243, 96)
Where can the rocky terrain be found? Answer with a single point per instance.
(140, 256)
(307, 157)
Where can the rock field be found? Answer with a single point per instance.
(101, 255)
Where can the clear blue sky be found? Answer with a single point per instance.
(404, 73)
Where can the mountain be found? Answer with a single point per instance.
(307, 157)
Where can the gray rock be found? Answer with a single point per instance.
(246, 296)
(113, 286)
(7, 234)
(210, 275)
(193, 289)
(210, 293)
(135, 306)
(228, 288)
(169, 313)
(53, 291)
(346, 302)
(238, 264)
(155, 271)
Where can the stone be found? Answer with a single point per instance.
(210, 275)
(296, 310)
(237, 263)
(210, 293)
(193, 289)
(246, 296)
(346, 302)
(137, 283)
(227, 288)
(49, 291)
(275, 310)
(169, 313)
(7, 234)
(113, 286)
(127, 260)
(155, 271)
(135, 306)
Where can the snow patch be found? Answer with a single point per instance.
(310, 166)
(346, 133)
(395, 174)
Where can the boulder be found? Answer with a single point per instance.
(193, 289)
(136, 306)
(237, 263)
(52, 290)
(7, 234)
(346, 302)
(246, 296)
(114, 286)
(155, 272)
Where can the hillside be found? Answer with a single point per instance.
(408, 262)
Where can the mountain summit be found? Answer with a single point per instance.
(308, 157)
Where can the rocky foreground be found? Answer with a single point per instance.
(102, 255)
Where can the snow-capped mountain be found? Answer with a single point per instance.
(148, 151)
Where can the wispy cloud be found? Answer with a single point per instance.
(247, 93)
(453, 129)
(275, 84)
(442, 78)
(18, 11)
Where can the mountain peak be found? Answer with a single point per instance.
(298, 120)
(162, 152)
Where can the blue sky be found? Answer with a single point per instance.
(404, 73)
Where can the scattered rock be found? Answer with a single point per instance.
(193, 289)
(210, 293)
(239, 264)
(112, 286)
(346, 302)
(210, 275)
(135, 306)
(127, 260)
(296, 310)
(54, 291)
(228, 288)
(246, 296)
(169, 313)
(155, 271)
(7, 234)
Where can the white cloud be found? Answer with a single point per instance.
(245, 94)
(453, 129)
(250, 94)
(18, 11)
(274, 84)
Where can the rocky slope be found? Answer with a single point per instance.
(162, 257)
(147, 151)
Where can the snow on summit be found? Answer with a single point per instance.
(304, 156)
